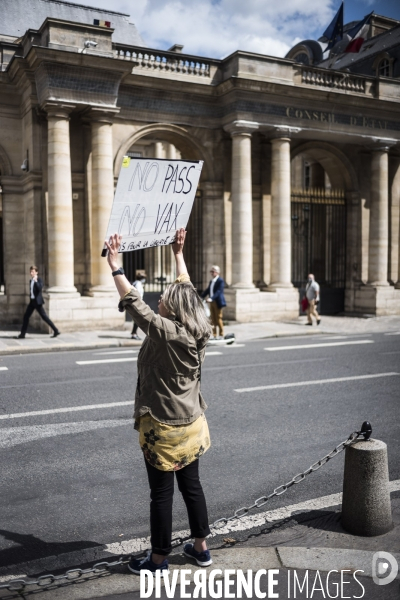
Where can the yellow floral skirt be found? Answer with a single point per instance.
(172, 447)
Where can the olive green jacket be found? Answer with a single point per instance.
(168, 385)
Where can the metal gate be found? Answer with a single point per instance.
(319, 244)
(2, 283)
(159, 262)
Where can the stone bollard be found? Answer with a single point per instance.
(366, 508)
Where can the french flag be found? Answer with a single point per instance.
(357, 34)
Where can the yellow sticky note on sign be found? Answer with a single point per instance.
(125, 161)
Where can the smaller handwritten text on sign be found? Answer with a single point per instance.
(153, 199)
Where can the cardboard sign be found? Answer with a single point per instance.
(153, 199)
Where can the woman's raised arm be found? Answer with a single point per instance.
(177, 249)
(122, 284)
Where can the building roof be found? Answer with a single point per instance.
(17, 16)
(375, 45)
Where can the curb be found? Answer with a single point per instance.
(69, 347)
(133, 343)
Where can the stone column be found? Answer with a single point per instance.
(171, 151)
(60, 219)
(102, 197)
(379, 219)
(281, 245)
(242, 210)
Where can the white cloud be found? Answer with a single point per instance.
(215, 28)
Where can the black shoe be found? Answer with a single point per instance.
(21, 336)
(309, 324)
(203, 559)
(56, 333)
(319, 321)
(136, 565)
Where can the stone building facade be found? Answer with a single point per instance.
(301, 172)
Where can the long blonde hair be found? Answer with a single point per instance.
(185, 305)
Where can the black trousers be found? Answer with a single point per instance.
(135, 328)
(161, 495)
(33, 305)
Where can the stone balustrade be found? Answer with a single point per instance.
(167, 62)
(333, 79)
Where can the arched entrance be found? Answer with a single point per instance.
(319, 222)
(168, 142)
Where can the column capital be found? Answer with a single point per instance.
(383, 144)
(283, 132)
(101, 115)
(241, 128)
(212, 189)
(58, 110)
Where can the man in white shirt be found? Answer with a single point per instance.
(312, 295)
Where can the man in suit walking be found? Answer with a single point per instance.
(36, 302)
(215, 293)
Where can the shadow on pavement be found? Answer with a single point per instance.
(31, 547)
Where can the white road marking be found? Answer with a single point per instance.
(235, 345)
(104, 360)
(315, 382)
(319, 345)
(393, 333)
(13, 436)
(67, 409)
(213, 353)
(3, 368)
(68, 382)
(264, 364)
(137, 544)
(116, 352)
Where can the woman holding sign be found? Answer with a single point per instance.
(169, 407)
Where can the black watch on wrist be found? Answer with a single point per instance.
(118, 272)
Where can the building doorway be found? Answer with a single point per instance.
(318, 215)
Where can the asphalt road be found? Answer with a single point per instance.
(75, 479)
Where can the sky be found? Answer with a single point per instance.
(215, 28)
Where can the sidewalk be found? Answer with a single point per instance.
(83, 340)
(306, 545)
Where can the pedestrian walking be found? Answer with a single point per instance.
(216, 298)
(169, 407)
(36, 303)
(312, 295)
(139, 285)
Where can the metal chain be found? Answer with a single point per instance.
(18, 585)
